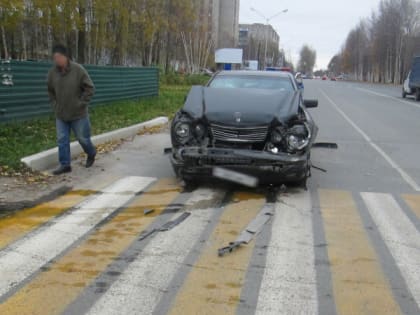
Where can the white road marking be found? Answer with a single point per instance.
(154, 269)
(408, 179)
(400, 236)
(30, 253)
(389, 96)
(289, 281)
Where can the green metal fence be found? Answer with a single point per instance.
(23, 88)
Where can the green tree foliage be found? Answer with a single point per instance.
(119, 32)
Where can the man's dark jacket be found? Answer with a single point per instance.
(70, 91)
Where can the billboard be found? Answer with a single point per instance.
(229, 55)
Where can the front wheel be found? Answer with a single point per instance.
(417, 95)
(189, 182)
(404, 94)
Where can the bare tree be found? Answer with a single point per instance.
(381, 48)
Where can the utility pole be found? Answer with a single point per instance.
(267, 24)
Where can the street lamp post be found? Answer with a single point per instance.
(267, 21)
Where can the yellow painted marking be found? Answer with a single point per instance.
(414, 202)
(51, 291)
(359, 285)
(22, 222)
(214, 284)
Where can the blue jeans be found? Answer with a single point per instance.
(81, 129)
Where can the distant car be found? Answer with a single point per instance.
(324, 78)
(412, 83)
(333, 79)
(250, 122)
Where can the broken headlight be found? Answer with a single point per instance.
(298, 137)
(277, 136)
(200, 131)
(183, 131)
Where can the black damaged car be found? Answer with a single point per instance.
(249, 122)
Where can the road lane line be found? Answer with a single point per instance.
(414, 202)
(289, 282)
(214, 284)
(400, 235)
(359, 285)
(150, 274)
(29, 254)
(407, 178)
(18, 224)
(51, 291)
(390, 97)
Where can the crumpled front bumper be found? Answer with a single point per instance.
(283, 167)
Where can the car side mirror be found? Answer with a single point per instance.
(310, 103)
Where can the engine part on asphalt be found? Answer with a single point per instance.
(167, 151)
(326, 145)
(147, 234)
(251, 231)
(166, 227)
(319, 169)
(256, 225)
(171, 224)
(228, 249)
(148, 211)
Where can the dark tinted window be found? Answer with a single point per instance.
(252, 82)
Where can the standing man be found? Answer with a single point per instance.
(70, 90)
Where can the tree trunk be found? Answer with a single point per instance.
(4, 41)
(81, 44)
(24, 49)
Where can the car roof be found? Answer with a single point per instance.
(281, 74)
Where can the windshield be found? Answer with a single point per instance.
(252, 82)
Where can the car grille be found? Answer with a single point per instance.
(238, 134)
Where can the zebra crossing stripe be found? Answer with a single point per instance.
(359, 284)
(400, 235)
(20, 223)
(289, 282)
(29, 254)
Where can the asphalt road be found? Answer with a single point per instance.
(348, 245)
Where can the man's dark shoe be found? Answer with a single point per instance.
(90, 161)
(62, 170)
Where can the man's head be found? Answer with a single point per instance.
(61, 55)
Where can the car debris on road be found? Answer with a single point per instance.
(252, 230)
(167, 226)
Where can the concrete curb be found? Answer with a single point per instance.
(48, 159)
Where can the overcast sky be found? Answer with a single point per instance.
(323, 24)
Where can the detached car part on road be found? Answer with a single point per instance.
(252, 122)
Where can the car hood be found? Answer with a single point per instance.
(241, 107)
